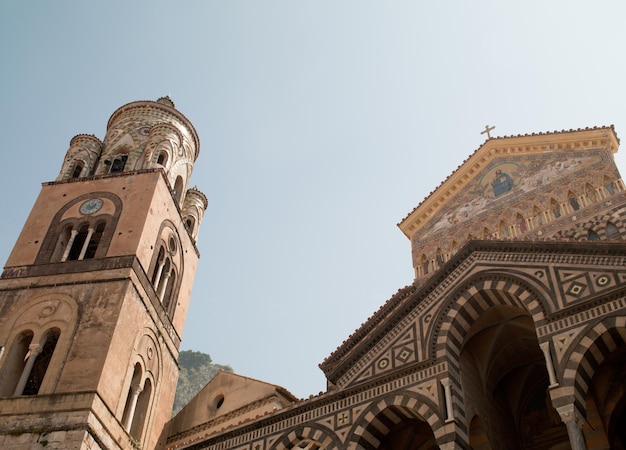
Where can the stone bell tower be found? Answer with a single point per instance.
(94, 295)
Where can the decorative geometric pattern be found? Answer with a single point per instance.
(577, 285)
(402, 351)
(563, 340)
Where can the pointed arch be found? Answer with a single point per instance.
(503, 229)
(178, 189)
(609, 185)
(537, 216)
(573, 201)
(590, 193)
(521, 223)
(555, 209)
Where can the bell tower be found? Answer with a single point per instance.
(94, 295)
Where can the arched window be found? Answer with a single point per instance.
(14, 363)
(164, 277)
(92, 245)
(590, 193)
(555, 209)
(190, 222)
(178, 189)
(573, 201)
(137, 402)
(78, 243)
(425, 264)
(609, 186)
(40, 365)
(156, 274)
(167, 297)
(521, 223)
(592, 236)
(26, 364)
(77, 170)
(133, 395)
(162, 159)
(118, 163)
(141, 411)
(504, 230)
(537, 216)
(81, 242)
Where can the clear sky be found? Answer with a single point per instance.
(322, 125)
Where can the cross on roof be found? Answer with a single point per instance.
(487, 130)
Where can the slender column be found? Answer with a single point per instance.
(163, 286)
(68, 247)
(545, 347)
(86, 244)
(448, 393)
(573, 420)
(33, 351)
(157, 279)
(134, 392)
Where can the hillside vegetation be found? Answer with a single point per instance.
(196, 370)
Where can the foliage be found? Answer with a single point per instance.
(196, 370)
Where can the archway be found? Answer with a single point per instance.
(602, 373)
(505, 382)
(398, 422)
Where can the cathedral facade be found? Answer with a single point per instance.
(511, 336)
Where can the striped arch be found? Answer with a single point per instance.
(461, 309)
(591, 349)
(309, 437)
(598, 225)
(374, 423)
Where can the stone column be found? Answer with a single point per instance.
(33, 351)
(134, 392)
(573, 420)
(448, 393)
(157, 278)
(86, 244)
(68, 247)
(166, 279)
(545, 347)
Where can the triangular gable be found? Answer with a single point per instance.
(227, 400)
(509, 188)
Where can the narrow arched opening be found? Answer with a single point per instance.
(178, 189)
(505, 380)
(42, 361)
(14, 363)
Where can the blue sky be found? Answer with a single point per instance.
(322, 124)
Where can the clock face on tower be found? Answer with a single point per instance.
(91, 206)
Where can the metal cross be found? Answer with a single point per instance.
(487, 130)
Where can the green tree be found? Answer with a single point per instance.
(196, 370)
